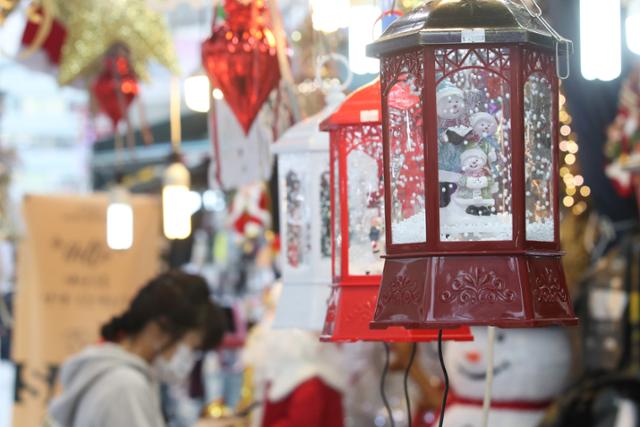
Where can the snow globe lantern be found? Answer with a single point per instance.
(358, 228)
(470, 119)
(305, 222)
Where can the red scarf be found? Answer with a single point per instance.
(495, 405)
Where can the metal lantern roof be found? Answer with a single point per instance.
(465, 21)
(306, 136)
(361, 107)
(354, 297)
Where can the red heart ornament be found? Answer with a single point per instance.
(115, 76)
(241, 59)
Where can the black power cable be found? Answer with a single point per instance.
(446, 379)
(406, 384)
(385, 371)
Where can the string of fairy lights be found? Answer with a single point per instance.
(574, 192)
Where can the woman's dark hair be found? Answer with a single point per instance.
(178, 302)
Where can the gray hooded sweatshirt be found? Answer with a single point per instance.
(105, 386)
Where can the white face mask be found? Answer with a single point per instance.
(177, 369)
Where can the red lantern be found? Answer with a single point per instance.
(115, 88)
(240, 59)
(357, 206)
(470, 119)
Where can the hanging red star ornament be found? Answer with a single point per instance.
(241, 60)
(115, 88)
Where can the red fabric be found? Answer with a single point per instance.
(312, 404)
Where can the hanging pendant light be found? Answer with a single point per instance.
(197, 92)
(601, 49)
(119, 219)
(176, 197)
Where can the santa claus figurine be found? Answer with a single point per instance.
(531, 367)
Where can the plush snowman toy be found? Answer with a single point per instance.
(531, 367)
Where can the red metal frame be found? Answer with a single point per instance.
(356, 125)
(516, 283)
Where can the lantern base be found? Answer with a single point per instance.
(509, 291)
(351, 308)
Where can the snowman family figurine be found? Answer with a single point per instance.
(467, 153)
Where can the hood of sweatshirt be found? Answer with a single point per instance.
(84, 370)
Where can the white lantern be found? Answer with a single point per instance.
(305, 223)
(177, 202)
(119, 220)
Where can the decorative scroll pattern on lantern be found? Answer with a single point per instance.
(477, 286)
(474, 144)
(406, 148)
(403, 290)
(548, 289)
(539, 142)
(365, 182)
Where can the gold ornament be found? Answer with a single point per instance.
(95, 26)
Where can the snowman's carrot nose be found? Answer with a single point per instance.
(473, 356)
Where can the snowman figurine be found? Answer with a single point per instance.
(452, 135)
(475, 186)
(531, 368)
(485, 127)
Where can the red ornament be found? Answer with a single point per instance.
(52, 45)
(357, 172)
(241, 60)
(115, 88)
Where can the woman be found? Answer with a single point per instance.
(154, 340)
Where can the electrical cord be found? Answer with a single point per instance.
(385, 371)
(406, 384)
(446, 379)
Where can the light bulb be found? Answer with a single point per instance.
(632, 27)
(177, 202)
(119, 220)
(329, 16)
(197, 92)
(600, 39)
(361, 22)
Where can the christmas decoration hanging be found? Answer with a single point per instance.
(305, 220)
(94, 26)
(471, 153)
(241, 60)
(52, 43)
(357, 224)
(115, 88)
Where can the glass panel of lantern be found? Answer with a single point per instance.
(305, 222)
(469, 98)
(357, 203)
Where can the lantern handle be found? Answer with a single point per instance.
(323, 60)
(536, 12)
(383, 15)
